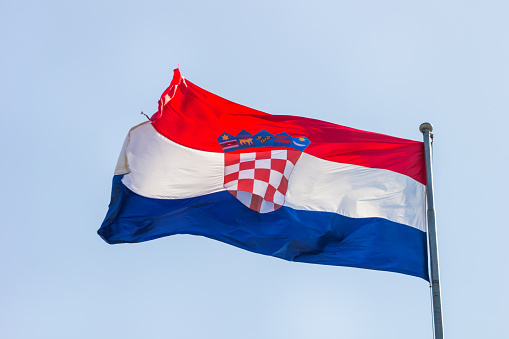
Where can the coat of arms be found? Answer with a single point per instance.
(257, 167)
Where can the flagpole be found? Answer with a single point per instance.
(426, 129)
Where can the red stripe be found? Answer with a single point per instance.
(195, 118)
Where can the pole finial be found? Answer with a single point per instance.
(424, 126)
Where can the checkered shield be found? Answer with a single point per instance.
(259, 179)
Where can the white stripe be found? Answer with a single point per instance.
(356, 191)
(161, 168)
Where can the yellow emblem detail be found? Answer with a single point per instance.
(225, 137)
(302, 139)
(248, 141)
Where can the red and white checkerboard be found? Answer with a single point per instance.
(260, 179)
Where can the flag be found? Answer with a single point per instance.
(295, 188)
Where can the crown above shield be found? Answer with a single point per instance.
(246, 140)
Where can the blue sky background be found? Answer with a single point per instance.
(74, 77)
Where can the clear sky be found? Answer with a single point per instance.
(74, 77)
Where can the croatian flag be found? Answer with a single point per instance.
(295, 188)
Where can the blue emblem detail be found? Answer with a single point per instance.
(245, 140)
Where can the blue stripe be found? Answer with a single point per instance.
(295, 235)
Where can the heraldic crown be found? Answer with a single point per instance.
(246, 140)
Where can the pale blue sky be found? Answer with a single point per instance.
(74, 77)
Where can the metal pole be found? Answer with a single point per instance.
(426, 129)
